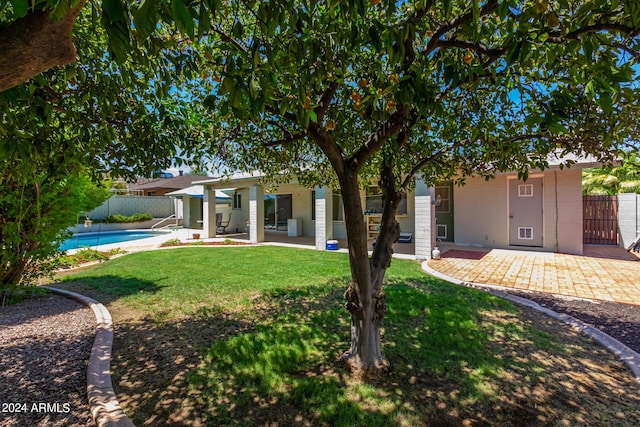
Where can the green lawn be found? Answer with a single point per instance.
(455, 352)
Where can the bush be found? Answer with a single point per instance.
(172, 242)
(82, 256)
(122, 219)
(13, 294)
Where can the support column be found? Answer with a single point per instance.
(424, 220)
(256, 214)
(627, 218)
(324, 220)
(209, 213)
(186, 211)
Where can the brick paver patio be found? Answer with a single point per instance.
(602, 273)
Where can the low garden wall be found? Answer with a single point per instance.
(156, 206)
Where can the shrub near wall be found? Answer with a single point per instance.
(120, 219)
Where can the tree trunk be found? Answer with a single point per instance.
(366, 300)
(33, 44)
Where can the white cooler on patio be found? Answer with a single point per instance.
(294, 227)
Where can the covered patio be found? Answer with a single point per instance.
(289, 213)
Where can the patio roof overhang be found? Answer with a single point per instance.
(197, 191)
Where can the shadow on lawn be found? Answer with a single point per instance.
(108, 288)
(459, 357)
(491, 369)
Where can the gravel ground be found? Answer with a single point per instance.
(621, 321)
(44, 346)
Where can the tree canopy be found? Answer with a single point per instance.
(504, 83)
(118, 117)
(343, 92)
(93, 117)
(349, 91)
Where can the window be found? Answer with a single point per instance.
(525, 233)
(374, 202)
(525, 190)
(237, 200)
(338, 207)
(313, 205)
(443, 199)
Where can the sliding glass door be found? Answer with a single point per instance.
(278, 208)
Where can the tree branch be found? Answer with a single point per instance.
(325, 100)
(329, 147)
(477, 47)
(292, 137)
(225, 37)
(389, 227)
(627, 49)
(435, 41)
(33, 44)
(603, 26)
(391, 127)
(431, 158)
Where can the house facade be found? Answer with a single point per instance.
(542, 213)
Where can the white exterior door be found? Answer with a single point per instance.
(525, 212)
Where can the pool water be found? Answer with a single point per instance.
(94, 239)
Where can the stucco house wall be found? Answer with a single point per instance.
(239, 217)
(482, 211)
(481, 217)
(563, 211)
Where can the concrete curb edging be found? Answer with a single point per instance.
(105, 408)
(624, 353)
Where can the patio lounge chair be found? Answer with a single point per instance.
(221, 226)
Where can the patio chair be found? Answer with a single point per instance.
(221, 226)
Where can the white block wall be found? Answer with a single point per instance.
(628, 215)
(424, 220)
(156, 206)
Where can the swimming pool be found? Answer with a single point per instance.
(84, 240)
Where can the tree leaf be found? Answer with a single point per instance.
(237, 29)
(114, 9)
(20, 7)
(116, 23)
(556, 128)
(606, 103)
(254, 88)
(146, 19)
(375, 37)
(204, 22)
(313, 116)
(447, 8)
(183, 18)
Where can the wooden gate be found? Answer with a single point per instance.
(600, 216)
